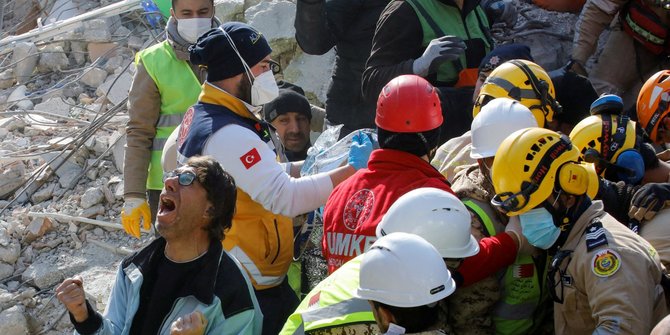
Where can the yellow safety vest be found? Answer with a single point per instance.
(179, 89)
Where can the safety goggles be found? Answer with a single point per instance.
(513, 202)
(185, 178)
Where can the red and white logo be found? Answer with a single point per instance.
(250, 158)
(358, 209)
(185, 126)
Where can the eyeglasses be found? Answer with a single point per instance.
(555, 268)
(185, 178)
(274, 66)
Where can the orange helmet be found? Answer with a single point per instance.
(653, 103)
(408, 104)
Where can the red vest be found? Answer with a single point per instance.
(356, 206)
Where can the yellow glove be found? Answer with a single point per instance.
(134, 210)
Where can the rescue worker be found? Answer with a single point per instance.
(456, 152)
(427, 212)
(521, 80)
(403, 278)
(595, 258)
(635, 49)
(443, 41)
(408, 120)
(522, 305)
(348, 27)
(616, 146)
(164, 86)
(222, 125)
(653, 107)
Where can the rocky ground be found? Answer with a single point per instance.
(62, 116)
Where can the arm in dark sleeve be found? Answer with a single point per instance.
(320, 25)
(397, 42)
(495, 253)
(616, 198)
(90, 325)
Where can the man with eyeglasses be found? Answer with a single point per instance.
(604, 278)
(183, 282)
(225, 124)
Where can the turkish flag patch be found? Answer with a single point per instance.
(250, 158)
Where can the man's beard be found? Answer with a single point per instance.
(244, 89)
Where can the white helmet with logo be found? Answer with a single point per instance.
(497, 120)
(403, 270)
(435, 215)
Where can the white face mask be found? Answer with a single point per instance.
(264, 89)
(191, 29)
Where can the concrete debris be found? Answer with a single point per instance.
(18, 98)
(13, 321)
(36, 228)
(94, 77)
(92, 197)
(68, 172)
(25, 57)
(53, 58)
(43, 275)
(55, 105)
(7, 79)
(119, 91)
(100, 30)
(11, 178)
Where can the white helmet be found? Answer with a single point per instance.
(403, 270)
(435, 215)
(498, 118)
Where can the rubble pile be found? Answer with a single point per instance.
(63, 93)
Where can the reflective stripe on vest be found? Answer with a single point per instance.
(483, 216)
(438, 19)
(179, 88)
(332, 303)
(253, 271)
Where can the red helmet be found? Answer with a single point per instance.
(653, 103)
(408, 104)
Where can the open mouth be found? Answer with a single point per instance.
(166, 205)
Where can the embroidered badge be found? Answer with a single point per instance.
(185, 126)
(250, 158)
(606, 263)
(358, 208)
(595, 236)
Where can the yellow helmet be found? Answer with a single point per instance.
(604, 134)
(530, 162)
(525, 82)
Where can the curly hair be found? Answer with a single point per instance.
(221, 192)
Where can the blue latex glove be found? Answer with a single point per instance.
(359, 153)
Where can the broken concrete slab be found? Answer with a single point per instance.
(43, 274)
(53, 58)
(10, 252)
(91, 197)
(92, 212)
(25, 57)
(100, 30)
(67, 173)
(55, 106)
(11, 178)
(95, 50)
(7, 79)
(94, 77)
(36, 228)
(43, 194)
(6, 270)
(119, 91)
(229, 10)
(13, 321)
(18, 98)
(119, 150)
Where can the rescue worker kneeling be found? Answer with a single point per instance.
(403, 278)
(596, 259)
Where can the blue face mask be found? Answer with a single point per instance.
(539, 228)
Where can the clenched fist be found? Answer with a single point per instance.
(71, 294)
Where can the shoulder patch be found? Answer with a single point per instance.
(250, 158)
(605, 263)
(595, 235)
